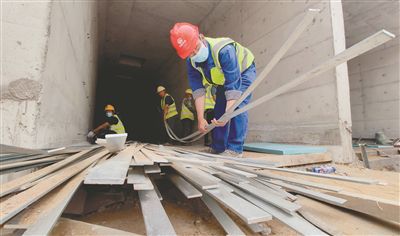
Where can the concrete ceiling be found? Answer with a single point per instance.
(141, 29)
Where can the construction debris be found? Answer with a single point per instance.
(224, 184)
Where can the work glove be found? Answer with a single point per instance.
(91, 134)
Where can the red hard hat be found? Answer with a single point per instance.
(184, 37)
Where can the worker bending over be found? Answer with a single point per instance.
(229, 66)
(209, 105)
(112, 125)
(169, 112)
(187, 113)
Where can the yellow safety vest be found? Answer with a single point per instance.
(186, 113)
(171, 108)
(244, 56)
(209, 102)
(119, 127)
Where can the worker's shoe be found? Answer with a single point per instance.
(210, 150)
(231, 153)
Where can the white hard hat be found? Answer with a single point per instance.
(160, 88)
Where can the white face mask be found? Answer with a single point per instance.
(201, 55)
(109, 114)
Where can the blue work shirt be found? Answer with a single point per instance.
(230, 68)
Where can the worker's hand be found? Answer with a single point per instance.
(202, 124)
(91, 134)
(218, 123)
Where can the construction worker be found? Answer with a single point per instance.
(112, 125)
(169, 112)
(209, 103)
(229, 66)
(187, 113)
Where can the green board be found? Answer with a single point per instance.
(282, 149)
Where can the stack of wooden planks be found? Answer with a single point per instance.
(253, 189)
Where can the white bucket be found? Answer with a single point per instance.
(115, 142)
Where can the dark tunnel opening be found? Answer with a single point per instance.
(133, 94)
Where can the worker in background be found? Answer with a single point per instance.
(187, 113)
(229, 66)
(209, 104)
(168, 109)
(112, 125)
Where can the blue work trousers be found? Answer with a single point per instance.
(233, 134)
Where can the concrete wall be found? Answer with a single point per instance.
(49, 62)
(308, 114)
(374, 76)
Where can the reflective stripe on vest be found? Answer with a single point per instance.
(186, 113)
(171, 108)
(209, 102)
(245, 58)
(119, 127)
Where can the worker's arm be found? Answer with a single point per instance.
(233, 80)
(165, 111)
(99, 128)
(201, 122)
(199, 92)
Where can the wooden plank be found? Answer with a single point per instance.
(197, 177)
(114, 170)
(154, 156)
(148, 186)
(152, 169)
(339, 221)
(17, 203)
(269, 197)
(232, 178)
(136, 176)
(73, 227)
(141, 159)
(235, 171)
(155, 218)
(31, 162)
(357, 49)
(4, 149)
(282, 149)
(301, 182)
(310, 193)
(54, 206)
(376, 207)
(242, 208)
(294, 221)
(185, 187)
(224, 220)
(328, 176)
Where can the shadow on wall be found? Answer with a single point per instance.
(135, 101)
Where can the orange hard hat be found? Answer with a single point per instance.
(109, 108)
(184, 37)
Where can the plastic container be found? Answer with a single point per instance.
(115, 142)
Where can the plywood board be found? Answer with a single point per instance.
(282, 149)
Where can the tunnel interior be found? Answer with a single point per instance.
(134, 48)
